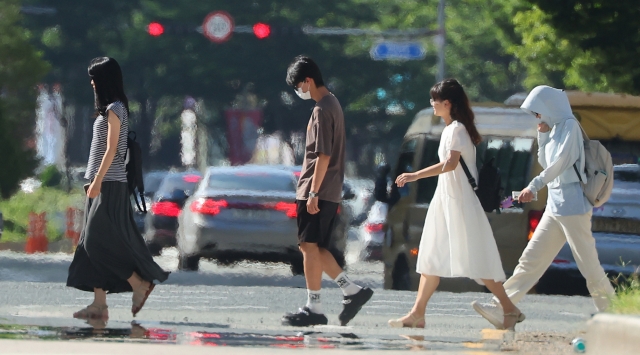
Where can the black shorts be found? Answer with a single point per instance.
(316, 228)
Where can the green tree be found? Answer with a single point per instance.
(380, 97)
(586, 45)
(21, 68)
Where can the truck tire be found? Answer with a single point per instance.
(188, 262)
(400, 275)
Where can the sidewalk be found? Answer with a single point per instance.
(613, 334)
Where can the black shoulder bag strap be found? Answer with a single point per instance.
(577, 172)
(470, 177)
(135, 198)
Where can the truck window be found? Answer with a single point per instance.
(405, 164)
(427, 187)
(405, 160)
(513, 158)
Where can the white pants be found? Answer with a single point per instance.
(547, 240)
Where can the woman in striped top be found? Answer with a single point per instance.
(111, 255)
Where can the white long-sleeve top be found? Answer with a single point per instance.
(558, 151)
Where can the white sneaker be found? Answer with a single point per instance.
(490, 311)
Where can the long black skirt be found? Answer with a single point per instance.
(111, 248)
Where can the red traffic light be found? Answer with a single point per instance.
(155, 29)
(261, 30)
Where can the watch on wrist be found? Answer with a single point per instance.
(313, 194)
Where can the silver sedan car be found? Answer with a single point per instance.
(245, 213)
(616, 229)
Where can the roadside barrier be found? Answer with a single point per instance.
(36, 234)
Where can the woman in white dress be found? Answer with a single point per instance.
(457, 240)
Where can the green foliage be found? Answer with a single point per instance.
(50, 176)
(627, 298)
(52, 201)
(16, 161)
(590, 46)
(494, 47)
(21, 68)
(176, 65)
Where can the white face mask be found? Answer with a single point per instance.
(304, 95)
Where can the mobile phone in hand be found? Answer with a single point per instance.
(516, 194)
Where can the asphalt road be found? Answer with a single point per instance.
(242, 305)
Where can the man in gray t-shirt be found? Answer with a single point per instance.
(319, 195)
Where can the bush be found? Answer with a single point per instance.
(52, 201)
(50, 176)
(627, 298)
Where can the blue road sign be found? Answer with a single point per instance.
(398, 51)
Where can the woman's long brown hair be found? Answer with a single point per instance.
(451, 90)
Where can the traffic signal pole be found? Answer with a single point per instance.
(223, 27)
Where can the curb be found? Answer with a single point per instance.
(613, 334)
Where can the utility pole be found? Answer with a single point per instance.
(440, 41)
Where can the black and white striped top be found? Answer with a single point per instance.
(117, 170)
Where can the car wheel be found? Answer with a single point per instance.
(400, 275)
(297, 266)
(154, 249)
(188, 262)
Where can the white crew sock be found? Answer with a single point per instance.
(348, 287)
(313, 301)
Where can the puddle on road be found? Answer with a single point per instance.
(155, 333)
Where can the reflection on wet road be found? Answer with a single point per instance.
(218, 335)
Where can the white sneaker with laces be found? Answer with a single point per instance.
(490, 311)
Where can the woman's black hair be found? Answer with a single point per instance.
(301, 68)
(452, 91)
(107, 78)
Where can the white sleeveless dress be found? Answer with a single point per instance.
(457, 240)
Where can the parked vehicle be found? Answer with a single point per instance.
(508, 138)
(371, 232)
(245, 213)
(349, 196)
(152, 181)
(616, 229)
(162, 220)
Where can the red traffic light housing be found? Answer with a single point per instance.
(261, 30)
(155, 29)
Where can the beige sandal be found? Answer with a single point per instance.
(517, 315)
(416, 322)
(140, 296)
(93, 312)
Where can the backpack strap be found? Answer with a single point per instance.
(577, 172)
(585, 137)
(144, 205)
(135, 198)
(584, 134)
(470, 177)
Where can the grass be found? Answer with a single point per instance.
(627, 298)
(53, 201)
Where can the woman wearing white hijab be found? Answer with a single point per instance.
(567, 217)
